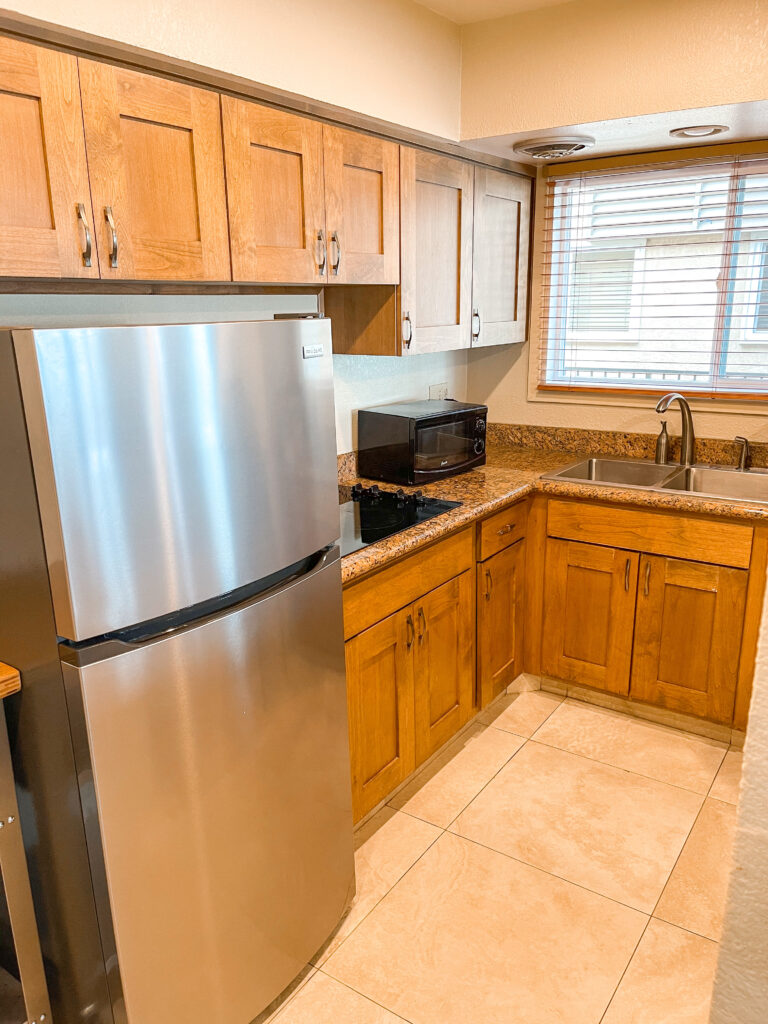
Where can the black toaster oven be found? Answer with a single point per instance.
(418, 442)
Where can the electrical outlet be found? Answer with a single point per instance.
(438, 391)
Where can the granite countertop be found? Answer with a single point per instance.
(510, 474)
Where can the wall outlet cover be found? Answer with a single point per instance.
(438, 391)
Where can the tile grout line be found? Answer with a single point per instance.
(661, 894)
(359, 993)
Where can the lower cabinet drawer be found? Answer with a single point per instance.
(502, 529)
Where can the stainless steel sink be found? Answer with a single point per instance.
(749, 485)
(620, 472)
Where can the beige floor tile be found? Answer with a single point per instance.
(448, 784)
(521, 713)
(695, 895)
(635, 745)
(386, 847)
(669, 980)
(326, 1001)
(728, 779)
(616, 833)
(270, 1016)
(472, 937)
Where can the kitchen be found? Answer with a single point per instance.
(530, 698)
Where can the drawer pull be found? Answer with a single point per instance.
(646, 588)
(411, 632)
(626, 573)
(506, 529)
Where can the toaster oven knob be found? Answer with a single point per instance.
(480, 427)
(479, 446)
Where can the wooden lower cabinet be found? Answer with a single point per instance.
(687, 643)
(500, 607)
(380, 674)
(589, 610)
(444, 663)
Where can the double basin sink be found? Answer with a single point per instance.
(706, 481)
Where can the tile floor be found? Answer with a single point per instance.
(557, 864)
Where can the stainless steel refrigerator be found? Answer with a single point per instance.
(170, 587)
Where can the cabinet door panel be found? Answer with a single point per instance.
(44, 172)
(380, 702)
(274, 166)
(589, 605)
(690, 618)
(444, 662)
(362, 204)
(500, 583)
(436, 251)
(500, 257)
(156, 162)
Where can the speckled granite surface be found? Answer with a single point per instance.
(709, 450)
(511, 474)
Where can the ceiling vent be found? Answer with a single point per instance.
(554, 149)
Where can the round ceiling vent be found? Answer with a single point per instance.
(698, 131)
(554, 149)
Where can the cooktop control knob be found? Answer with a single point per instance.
(479, 446)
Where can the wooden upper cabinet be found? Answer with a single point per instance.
(690, 617)
(274, 163)
(589, 611)
(436, 251)
(444, 655)
(362, 207)
(500, 257)
(157, 173)
(46, 221)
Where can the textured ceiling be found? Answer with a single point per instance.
(465, 11)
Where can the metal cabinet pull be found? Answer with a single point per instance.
(476, 317)
(506, 529)
(489, 582)
(411, 632)
(626, 573)
(646, 588)
(335, 241)
(407, 340)
(86, 254)
(322, 257)
(423, 621)
(113, 241)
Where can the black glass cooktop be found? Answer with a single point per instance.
(372, 514)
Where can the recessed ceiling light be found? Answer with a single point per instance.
(699, 131)
(554, 148)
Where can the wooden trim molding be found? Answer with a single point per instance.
(660, 156)
(10, 680)
(85, 44)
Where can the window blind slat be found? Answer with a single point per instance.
(657, 277)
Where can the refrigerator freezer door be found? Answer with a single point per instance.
(175, 464)
(219, 763)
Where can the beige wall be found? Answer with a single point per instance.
(741, 986)
(389, 58)
(591, 60)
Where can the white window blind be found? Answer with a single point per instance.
(656, 278)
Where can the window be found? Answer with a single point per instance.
(656, 277)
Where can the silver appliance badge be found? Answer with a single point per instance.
(312, 351)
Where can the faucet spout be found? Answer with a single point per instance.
(688, 440)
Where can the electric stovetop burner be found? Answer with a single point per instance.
(373, 514)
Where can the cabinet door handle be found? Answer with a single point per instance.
(476, 317)
(411, 632)
(647, 585)
(423, 622)
(489, 584)
(407, 339)
(113, 239)
(336, 263)
(506, 529)
(626, 573)
(86, 254)
(322, 255)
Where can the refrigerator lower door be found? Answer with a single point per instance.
(218, 762)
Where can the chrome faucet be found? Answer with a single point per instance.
(688, 440)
